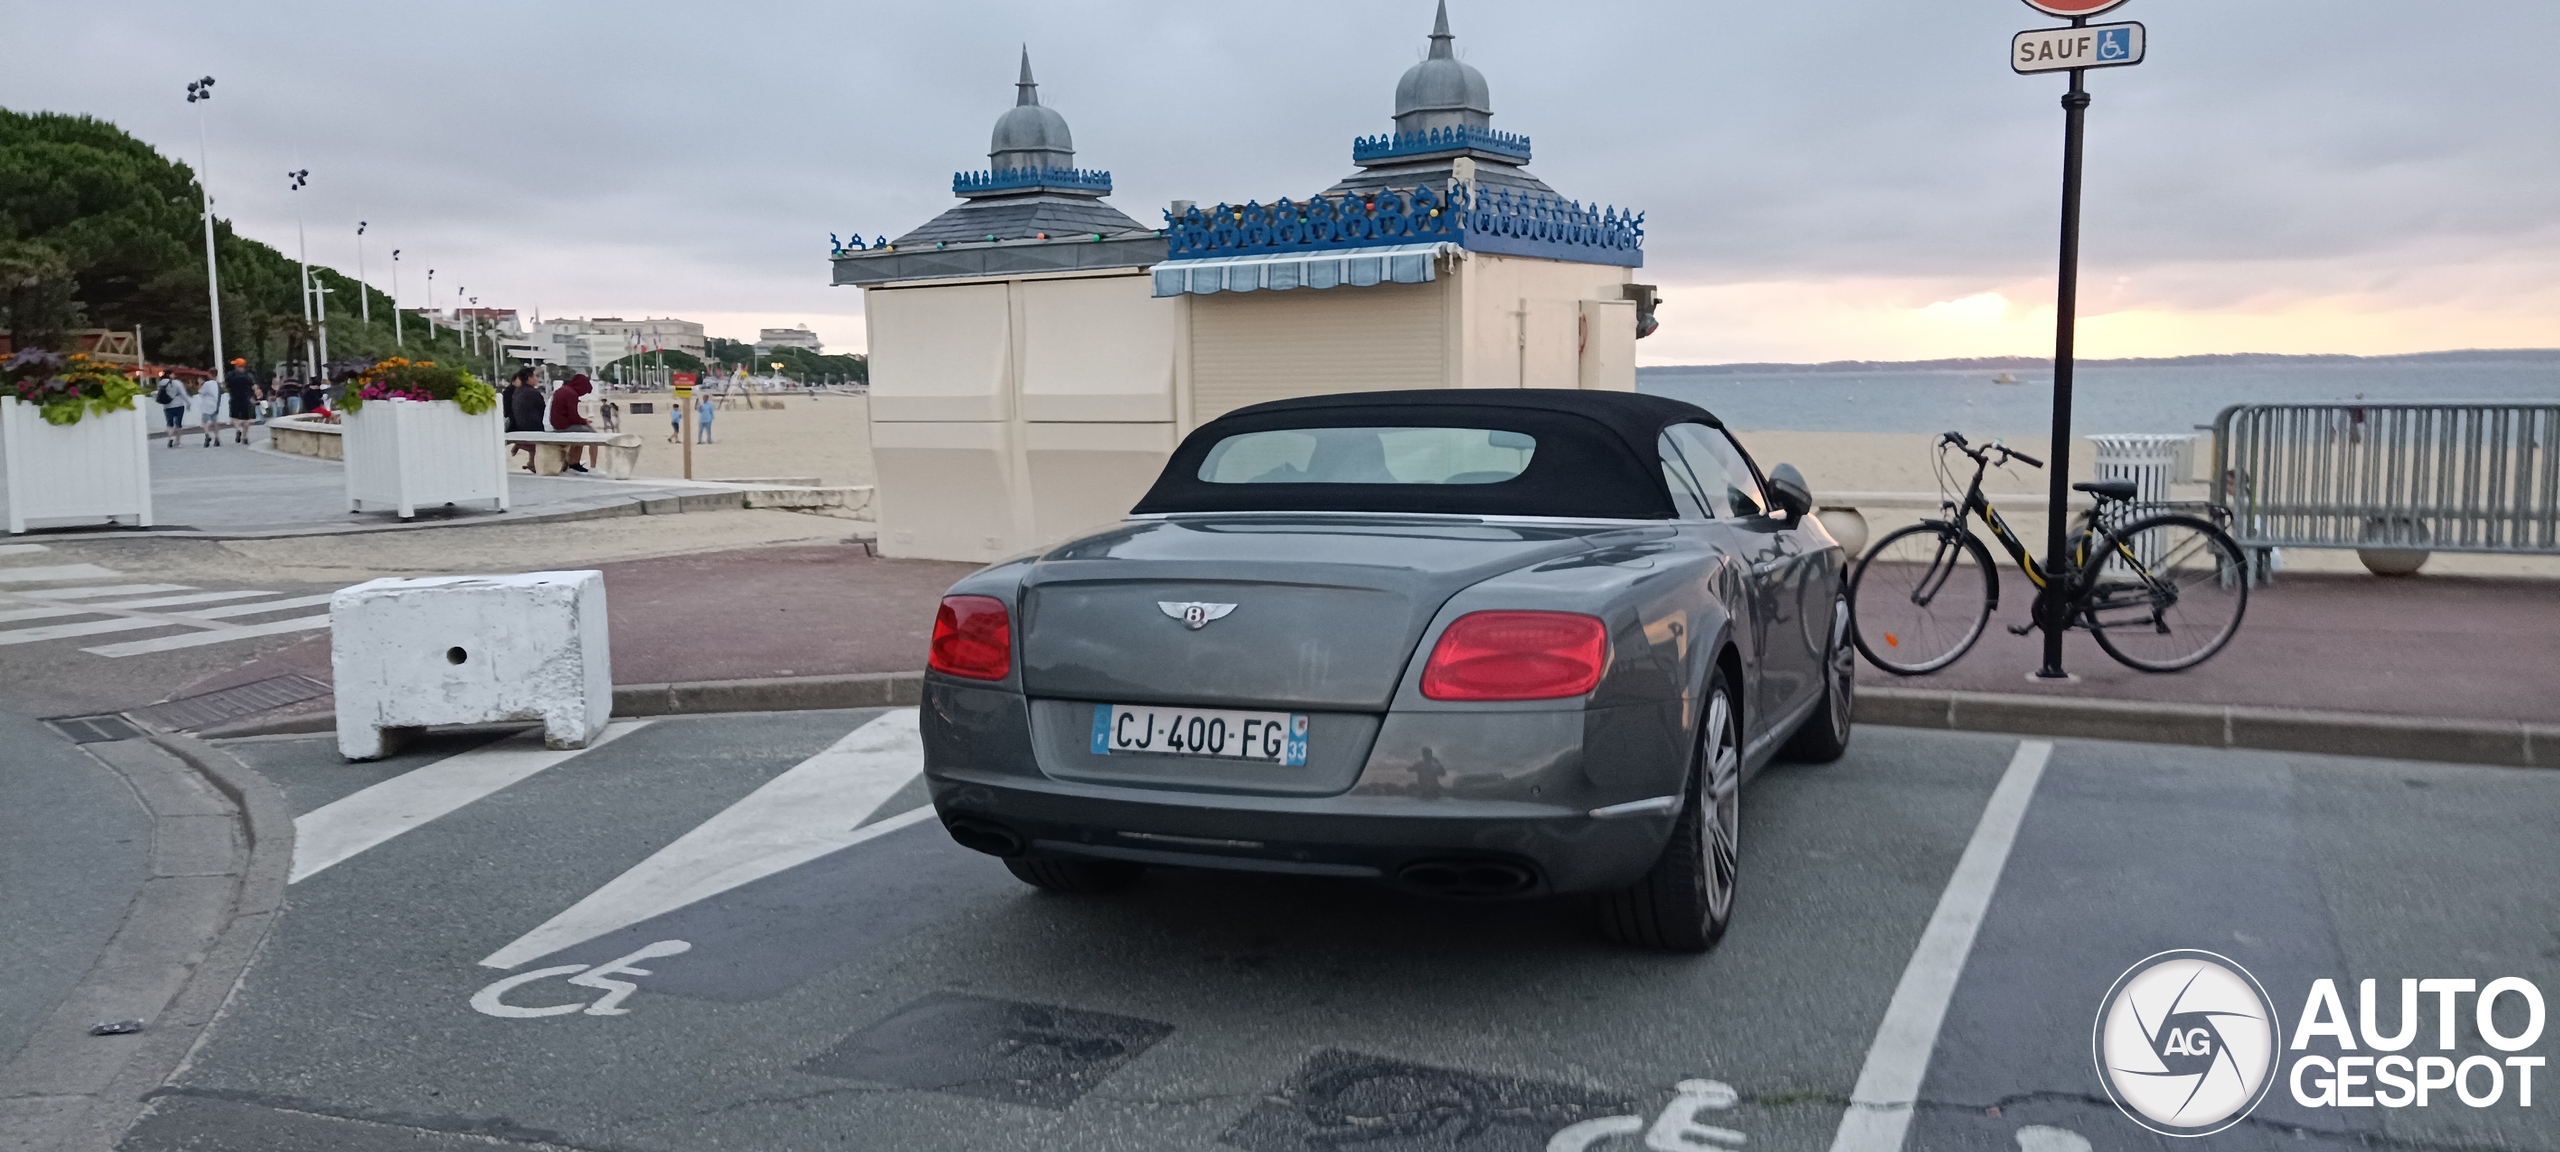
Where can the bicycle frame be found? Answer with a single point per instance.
(1976, 504)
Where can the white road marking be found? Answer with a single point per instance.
(254, 609)
(41, 595)
(87, 628)
(1889, 1085)
(221, 635)
(51, 610)
(21, 549)
(342, 828)
(805, 813)
(46, 572)
(2047, 1138)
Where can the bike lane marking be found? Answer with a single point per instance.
(813, 808)
(1889, 1084)
(351, 824)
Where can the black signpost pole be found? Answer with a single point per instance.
(2053, 610)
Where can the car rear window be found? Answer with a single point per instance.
(1373, 455)
(1451, 452)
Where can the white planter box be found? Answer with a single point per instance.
(86, 473)
(405, 455)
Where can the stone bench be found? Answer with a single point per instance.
(621, 450)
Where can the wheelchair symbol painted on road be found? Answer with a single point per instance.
(491, 1001)
(1680, 1128)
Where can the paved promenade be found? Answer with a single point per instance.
(2445, 647)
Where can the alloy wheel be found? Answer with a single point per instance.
(1722, 790)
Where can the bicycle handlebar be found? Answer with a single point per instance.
(1980, 455)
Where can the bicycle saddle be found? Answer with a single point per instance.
(2106, 489)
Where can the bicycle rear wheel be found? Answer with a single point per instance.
(2165, 592)
(1920, 598)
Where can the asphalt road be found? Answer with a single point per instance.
(857, 981)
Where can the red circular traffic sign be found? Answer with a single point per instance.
(2068, 9)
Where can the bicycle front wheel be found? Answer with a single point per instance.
(1920, 598)
(2165, 592)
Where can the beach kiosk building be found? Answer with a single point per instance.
(1036, 353)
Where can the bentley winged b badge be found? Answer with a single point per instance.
(1195, 615)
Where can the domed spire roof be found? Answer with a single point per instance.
(1442, 91)
(1029, 135)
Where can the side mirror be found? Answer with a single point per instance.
(1788, 492)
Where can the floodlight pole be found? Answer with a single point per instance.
(2053, 610)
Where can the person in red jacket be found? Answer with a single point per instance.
(566, 418)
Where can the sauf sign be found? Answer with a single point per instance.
(2090, 46)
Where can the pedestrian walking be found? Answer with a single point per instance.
(289, 397)
(675, 421)
(565, 417)
(610, 414)
(243, 392)
(172, 395)
(208, 410)
(702, 409)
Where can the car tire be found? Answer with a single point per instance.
(1824, 735)
(1685, 901)
(1075, 877)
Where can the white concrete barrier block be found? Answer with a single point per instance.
(408, 653)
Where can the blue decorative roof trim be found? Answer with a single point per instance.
(1094, 180)
(1510, 145)
(1494, 220)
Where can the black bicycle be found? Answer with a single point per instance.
(2160, 590)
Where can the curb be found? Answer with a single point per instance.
(579, 510)
(2506, 743)
(769, 694)
(175, 960)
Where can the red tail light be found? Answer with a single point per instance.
(972, 637)
(1517, 656)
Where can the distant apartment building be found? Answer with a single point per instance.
(768, 339)
(655, 334)
(503, 321)
(578, 345)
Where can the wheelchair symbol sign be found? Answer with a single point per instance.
(2115, 44)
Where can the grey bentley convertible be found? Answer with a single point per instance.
(1473, 643)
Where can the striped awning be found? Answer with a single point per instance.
(1335, 268)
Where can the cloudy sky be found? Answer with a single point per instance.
(1858, 179)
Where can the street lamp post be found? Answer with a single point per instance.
(364, 287)
(302, 253)
(320, 295)
(198, 92)
(428, 313)
(395, 300)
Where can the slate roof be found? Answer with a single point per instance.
(1022, 218)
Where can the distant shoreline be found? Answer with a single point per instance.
(1977, 363)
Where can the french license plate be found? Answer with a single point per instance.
(1272, 737)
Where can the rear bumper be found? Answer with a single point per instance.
(1510, 790)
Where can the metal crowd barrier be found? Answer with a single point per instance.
(2440, 477)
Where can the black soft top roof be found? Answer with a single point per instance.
(1596, 456)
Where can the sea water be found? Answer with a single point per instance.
(2106, 398)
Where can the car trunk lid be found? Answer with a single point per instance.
(1325, 613)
